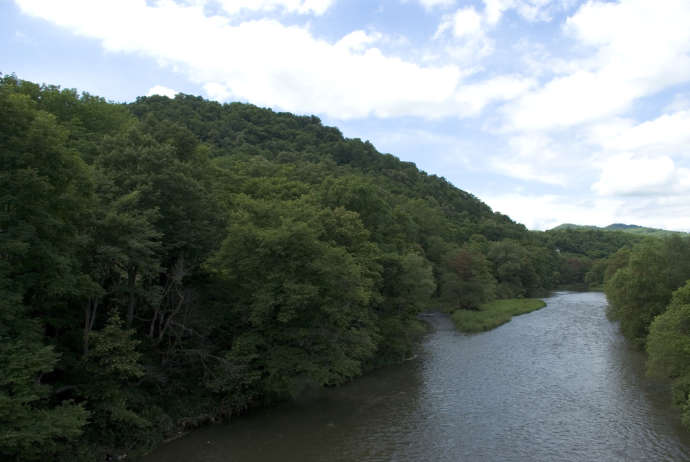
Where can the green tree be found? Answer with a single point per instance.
(35, 424)
(467, 280)
(42, 199)
(513, 269)
(407, 287)
(111, 366)
(641, 290)
(303, 278)
(668, 346)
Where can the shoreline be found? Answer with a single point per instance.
(494, 314)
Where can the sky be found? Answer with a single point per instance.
(550, 111)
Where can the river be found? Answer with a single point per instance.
(558, 384)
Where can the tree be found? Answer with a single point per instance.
(110, 366)
(467, 281)
(303, 278)
(44, 186)
(35, 424)
(407, 287)
(668, 346)
(513, 269)
(642, 289)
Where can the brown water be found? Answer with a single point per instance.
(558, 384)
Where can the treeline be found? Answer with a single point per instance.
(174, 261)
(647, 284)
(648, 289)
(588, 256)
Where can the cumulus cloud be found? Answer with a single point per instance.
(217, 91)
(469, 42)
(668, 133)
(533, 157)
(626, 174)
(357, 40)
(473, 98)
(316, 7)
(637, 49)
(532, 10)
(161, 90)
(430, 4)
(268, 63)
(465, 22)
(545, 211)
(625, 51)
(647, 158)
(470, 30)
(529, 209)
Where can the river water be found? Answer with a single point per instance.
(558, 384)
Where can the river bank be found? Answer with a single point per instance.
(559, 384)
(493, 314)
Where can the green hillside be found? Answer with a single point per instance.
(173, 262)
(633, 229)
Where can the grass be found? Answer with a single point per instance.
(493, 314)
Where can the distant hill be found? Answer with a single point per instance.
(633, 229)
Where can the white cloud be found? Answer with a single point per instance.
(474, 97)
(270, 64)
(628, 175)
(494, 9)
(469, 42)
(532, 158)
(317, 7)
(668, 133)
(518, 167)
(639, 48)
(429, 4)
(217, 91)
(647, 158)
(471, 29)
(161, 90)
(357, 40)
(263, 61)
(466, 22)
(532, 10)
(545, 211)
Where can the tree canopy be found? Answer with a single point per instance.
(174, 261)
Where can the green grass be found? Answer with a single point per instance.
(493, 314)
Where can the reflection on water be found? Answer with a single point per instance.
(558, 384)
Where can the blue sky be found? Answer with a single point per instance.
(550, 111)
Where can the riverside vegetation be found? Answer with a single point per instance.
(171, 262)
(494, 313)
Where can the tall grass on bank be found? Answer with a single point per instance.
(493, 314)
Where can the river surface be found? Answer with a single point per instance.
(558, 384)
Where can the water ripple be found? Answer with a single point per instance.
(558, 384)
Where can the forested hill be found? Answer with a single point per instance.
(174, 261)
(633, 229)
(244, 131)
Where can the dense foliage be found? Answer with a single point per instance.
(648, 288)
(632, 229)
(175, 261)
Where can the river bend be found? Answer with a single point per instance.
(558, 384)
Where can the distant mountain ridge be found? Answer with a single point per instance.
(633, 229)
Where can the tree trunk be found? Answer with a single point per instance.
(131, 286)
(89, 319)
